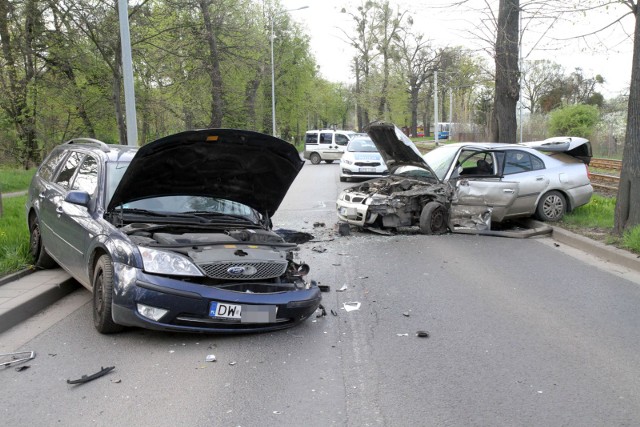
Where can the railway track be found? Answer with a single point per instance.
(609, 164)
(602, 181)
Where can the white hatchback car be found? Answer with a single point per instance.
(362, 159)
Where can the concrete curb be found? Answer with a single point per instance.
(607, 252)
(33, 292)
(16, 276)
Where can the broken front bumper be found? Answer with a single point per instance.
(351, 209)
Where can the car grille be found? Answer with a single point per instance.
(355, 199)
(264, 270)
(369, 164)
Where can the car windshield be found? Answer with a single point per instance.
(115, 171)
(440, 159)
(362, 144)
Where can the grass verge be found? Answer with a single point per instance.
(15, 179)
(14, 237)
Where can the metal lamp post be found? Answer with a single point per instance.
(273, 73)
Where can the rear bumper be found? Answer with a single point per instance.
(580, 196)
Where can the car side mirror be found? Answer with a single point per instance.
(81, 198)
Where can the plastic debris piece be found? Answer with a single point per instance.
(318, 224)
(344, 229)
(322, 310)
(422, 334)
(232, 363)
(277, 412)
(363, 277)
(402, 335)
(118, 381)
(22, 368)
(210, 358)
(342, 289)
(324, 288)
(406, 314)
(318, 249)
(19, 357)
(351, 306)
(87, 378)
(335, 313)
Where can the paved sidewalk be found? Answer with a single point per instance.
(24, 294)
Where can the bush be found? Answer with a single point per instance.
(574, 120)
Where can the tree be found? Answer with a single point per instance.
(627, 212)
(574, 120)
(539, 79)
(507, 72)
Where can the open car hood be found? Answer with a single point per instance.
(238, 165)
(395, 147)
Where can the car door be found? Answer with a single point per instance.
(478, 185)
(528, 171)
(76, 225)
(50, 208)
(327, 146)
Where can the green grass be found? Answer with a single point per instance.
(631, 240)
(15, 179)
(598, 213)
(14, 236)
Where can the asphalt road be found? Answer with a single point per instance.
(521, 333)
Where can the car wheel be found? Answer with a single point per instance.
(103, 296)
(329, 161)
(433, 219)
(551, 207)
(315, 158)
(40, 256)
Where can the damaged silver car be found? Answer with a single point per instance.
(468, 185)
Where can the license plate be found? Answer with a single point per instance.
(368, 170)
(225, 311)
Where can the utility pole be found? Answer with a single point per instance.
(435, 105)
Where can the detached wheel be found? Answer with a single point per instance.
(551, 207)
(433, 219)
(103, 297)
(40, 256)
(315, 158)
(328, 161)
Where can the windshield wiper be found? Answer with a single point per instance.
(215, 215)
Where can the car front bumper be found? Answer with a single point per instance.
(350, 211)
(188, 304)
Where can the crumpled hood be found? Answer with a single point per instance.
(243, 166)
(395, 147)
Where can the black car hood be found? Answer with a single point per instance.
(243, 166)
(395, 147)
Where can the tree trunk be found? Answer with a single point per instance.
(415, 92)
(212, 63)
(507, 86)
(627, 213)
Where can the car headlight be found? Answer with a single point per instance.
(349, 162)
(169, 263)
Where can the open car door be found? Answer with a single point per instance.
(478, 201)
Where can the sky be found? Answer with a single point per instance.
(608, 54)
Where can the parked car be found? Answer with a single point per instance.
(361, 159)
(326, 145)
(175, 235)
(468, 185)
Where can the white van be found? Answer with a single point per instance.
(327, 145)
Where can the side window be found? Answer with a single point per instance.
(518, 162)
(326, 138)
(49, 167)
(476, 163)
(69, 168)
(536, 163)
(311, 138)
(341, 139)
(87, 178)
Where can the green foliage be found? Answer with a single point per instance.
(14, 236)
(631, 239)
(597, 213)
(574, 120)
(12, 179)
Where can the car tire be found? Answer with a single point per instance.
(433, 219)
(103, 296)
(329, 161)
(551, 207)
(315, 158)
(41, 258)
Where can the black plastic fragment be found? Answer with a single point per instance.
(22, 368)
(324, 312)
(422, 334)
(86, 378)
(324, 288)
